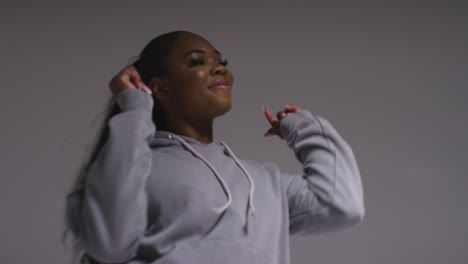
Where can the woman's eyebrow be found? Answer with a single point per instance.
(200, 51)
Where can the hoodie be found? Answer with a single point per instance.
(156, 197)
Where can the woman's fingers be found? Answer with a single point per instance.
(122, 80)
(291, 109)
(145, 89)
(269, 116)
(275, 122)
(280, 115)
(135, 77)
(126, 79)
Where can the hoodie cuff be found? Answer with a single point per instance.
(293, 122)
(134, 99)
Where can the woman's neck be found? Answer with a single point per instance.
(202, 131)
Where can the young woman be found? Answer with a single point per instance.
(159, 190)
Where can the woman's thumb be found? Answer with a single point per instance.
(145, 88)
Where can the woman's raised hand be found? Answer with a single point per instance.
(275, 122)
(126, 79)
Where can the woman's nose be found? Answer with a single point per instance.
(218, 69)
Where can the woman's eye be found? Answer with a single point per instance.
(195, 62)
(224, 62)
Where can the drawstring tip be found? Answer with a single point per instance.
(218, 210)
(222, 209)
(251, 208)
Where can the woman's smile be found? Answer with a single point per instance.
(221, 84)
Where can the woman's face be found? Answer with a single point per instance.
(198, 82)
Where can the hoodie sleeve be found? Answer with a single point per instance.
(110, 215)
(328, 195)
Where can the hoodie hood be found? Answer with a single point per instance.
(168, 139)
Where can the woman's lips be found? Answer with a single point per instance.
(220, 84)
(221, 87)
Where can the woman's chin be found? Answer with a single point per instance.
(220, 109)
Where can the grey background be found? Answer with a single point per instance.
(391, 76)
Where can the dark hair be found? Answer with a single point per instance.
(150, 63)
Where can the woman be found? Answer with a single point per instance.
(173, 195)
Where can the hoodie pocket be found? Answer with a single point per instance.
(217, 251)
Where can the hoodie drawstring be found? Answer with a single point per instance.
(221, 181)
(250, 206)
(252, 184)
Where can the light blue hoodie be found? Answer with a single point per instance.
(160, 198)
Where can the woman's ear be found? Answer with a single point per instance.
(159, 87)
